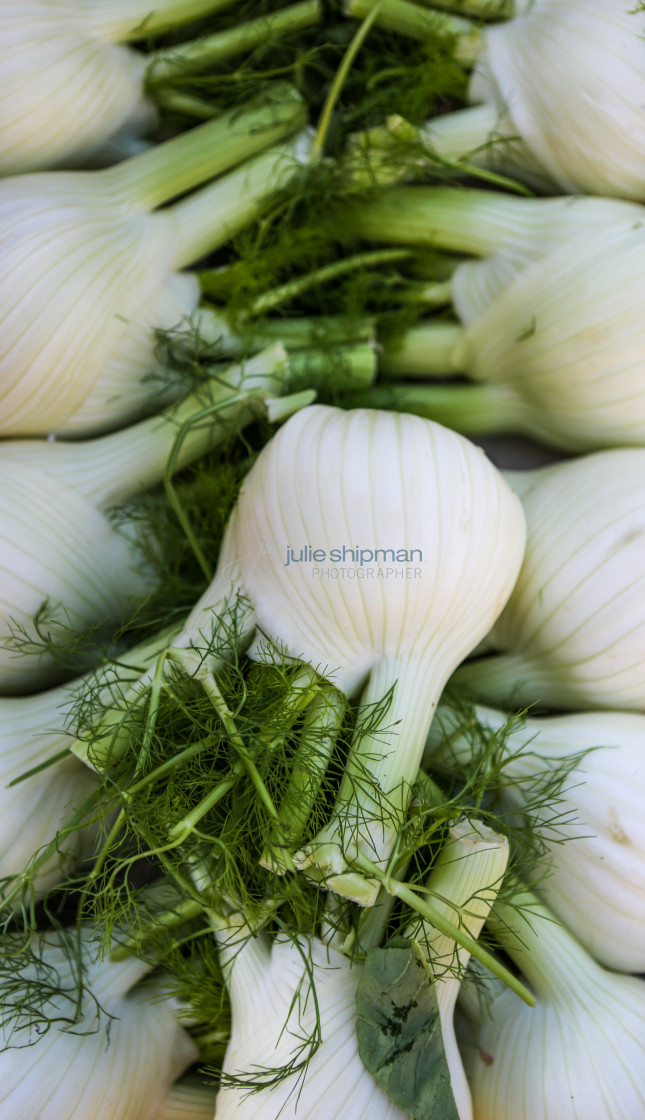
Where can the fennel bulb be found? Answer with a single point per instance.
(90, 269)
(592, 832)
(552, 318)
(67, 86)
(36, 734)
(558, 92)
(573, 632)
(378, 548)
(275, 1012)
(59, 544)
(580, 1053)
(109, 1063)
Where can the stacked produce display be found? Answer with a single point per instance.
(322, 730)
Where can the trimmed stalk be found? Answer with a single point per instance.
(465, 221)
(210, 49)
(112, 469)
(349, 368)
(429, 348)
(210, 327)
(167, 170)
(469, 409)
(419, 23)
(210, 217)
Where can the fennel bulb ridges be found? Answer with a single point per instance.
(552, 317)
(59, 545)
(563, 90)
(102, 1068)
(275, 1013)
(66, 86)
(188, 1099)
(594, 859)
(370, 481)
(579, 1054)
(463, 886)
(275, 1016)
(571, 635)
(88, 274)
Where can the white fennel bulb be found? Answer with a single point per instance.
(573, 632)
(274, 1010)
(558, 92)
(110, 1064)
(36, 734)
(593, 833)
(59, 543)
(552, 324)
(378, 548)
(90, 269)
(67, 85)
(579, 1054)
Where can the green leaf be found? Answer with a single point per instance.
(399, 1032)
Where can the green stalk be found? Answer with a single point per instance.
(470, 409)
(484, 9)
(293, 288)
(347, 368)
(111, 469)
(198, 54)
(210, 327)
(505, 679)
(340, 78)
(167, 170)
(125, 20)
(318, 739)
(552, 960)
(209, 218)
(429, 348)
(436, 918)
(419, 23)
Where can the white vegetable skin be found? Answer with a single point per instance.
(373, 480)
(67, 86)
(568, 78)
(57, 539)
(593, 872)
(32, 812)
(120, 1069)
(579, 1054)
(552, 316)
(572, 631)
(268, 1033)
(89, 273)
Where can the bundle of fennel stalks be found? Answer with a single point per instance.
(321, 732)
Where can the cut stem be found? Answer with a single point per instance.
(429, 348)
(186, 58)
(209, 218)
(210, 328)
(167, 170)
(432, 914)
(419, 23)
(470, 409)
(113, 468)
